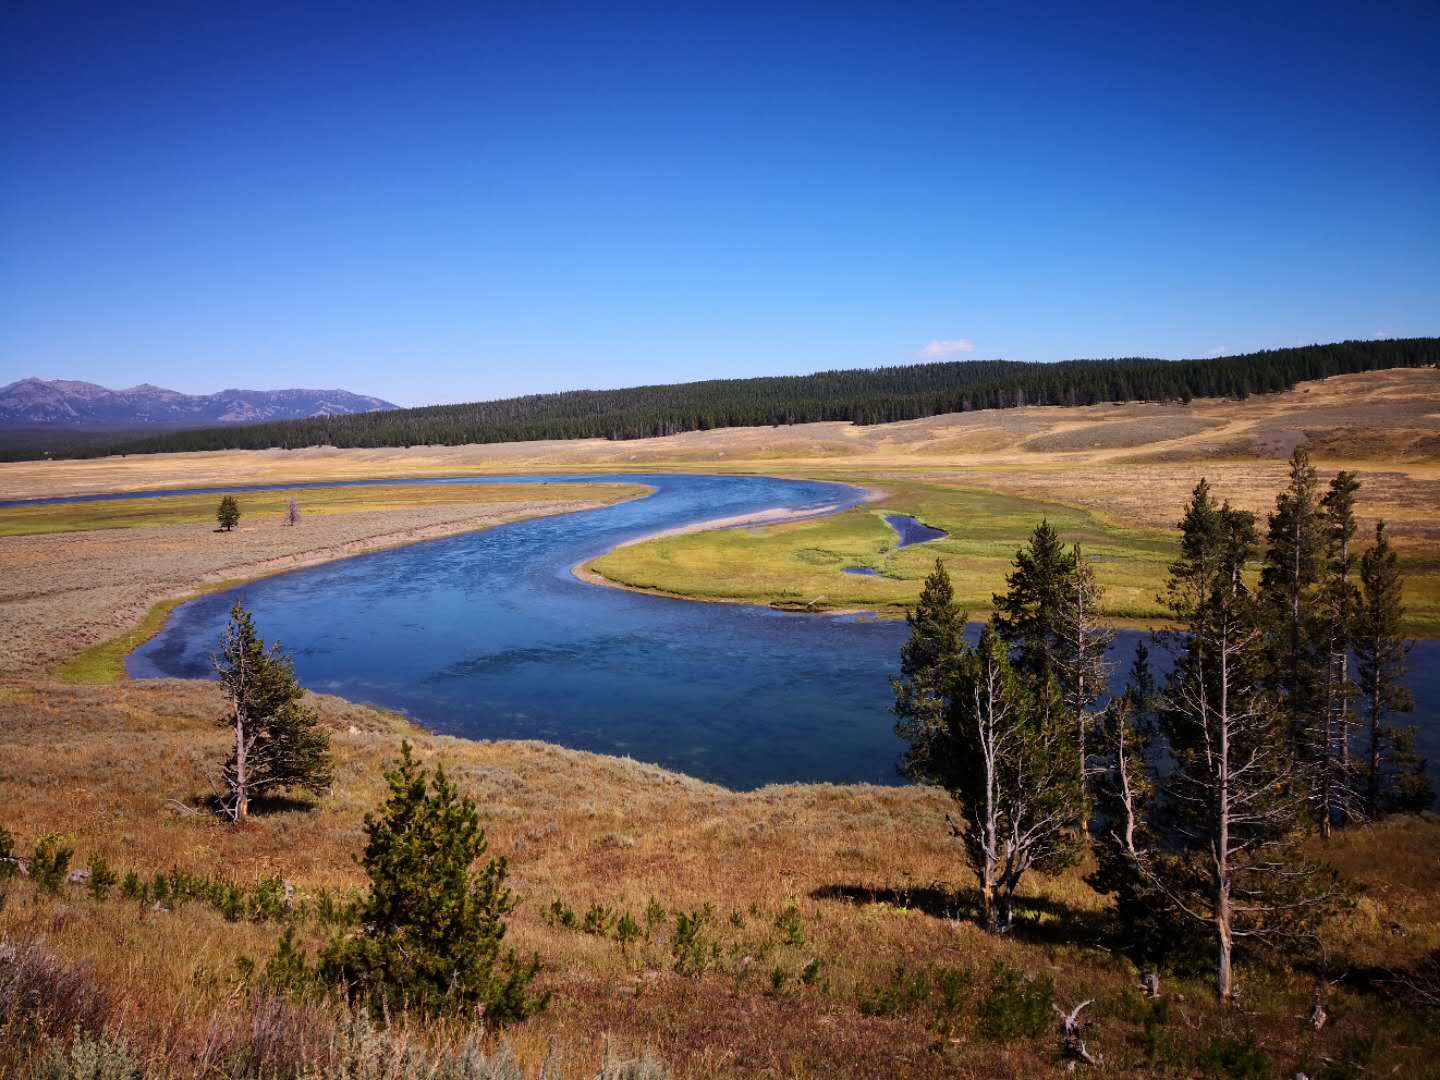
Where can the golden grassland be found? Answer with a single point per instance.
(1119, 476)
(1384, 422)
(870, 871)
(84, 599)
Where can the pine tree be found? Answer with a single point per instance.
(1082, 641)
(1125, 797)
(1294, 553)
(1335, 797)
(432, 927)
(279, 742)
(228, 513)
(1027, 615)
(998, 746)
(1227, 854)
(929, 662)
(1381, 652)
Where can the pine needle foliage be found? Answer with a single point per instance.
(228, 512)
(432, 926)
(279, 742)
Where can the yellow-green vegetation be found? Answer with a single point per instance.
(105, 662)
(200, 509)
(804, 563)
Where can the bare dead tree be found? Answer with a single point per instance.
(1013, 769)
(1232, 797)
(292, 512)
(1072, 1034)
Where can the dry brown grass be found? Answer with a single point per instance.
(1385, 416)
(1133, 463)
(62, 593)
(871, 870)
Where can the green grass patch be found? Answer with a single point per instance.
(105, 663)
(803, 564)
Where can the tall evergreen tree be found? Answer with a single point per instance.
(431, 926)
(1082, 642)
(1028, 614)
(996, 742)
(1294, 554)
(1381, 652)
(1335, 795)
(278, 741)
(929, 663)
(1227, 854)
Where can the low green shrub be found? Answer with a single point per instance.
(1239, 1058)
(49, 864)
(1015, 1006)
(690, 947)
(102, 878)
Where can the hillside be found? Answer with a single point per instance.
(64, 403)
(864, 396)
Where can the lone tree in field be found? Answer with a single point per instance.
(996, 742)
(278, 741)
(1382, 653)
(228, 513)
(432, 926)
(292, 512)
(1233, 808)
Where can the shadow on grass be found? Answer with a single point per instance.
(260, 806)
(1037, 919)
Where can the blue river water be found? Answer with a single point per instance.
(489, 635)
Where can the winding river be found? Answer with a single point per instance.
(490, 635)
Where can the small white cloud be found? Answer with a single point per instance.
(1221, 350)
(1381, 335)
(947, 347)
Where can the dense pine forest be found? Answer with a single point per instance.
(862, 396)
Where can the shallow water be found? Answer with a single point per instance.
(913, 531)
(489, 635)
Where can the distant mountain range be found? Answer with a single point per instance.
(63, 403)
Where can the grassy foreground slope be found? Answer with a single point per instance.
(851, 885)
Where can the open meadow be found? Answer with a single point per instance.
(794, 931)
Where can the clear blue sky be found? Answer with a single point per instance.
(437, 202)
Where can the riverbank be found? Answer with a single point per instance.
(82, 599)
